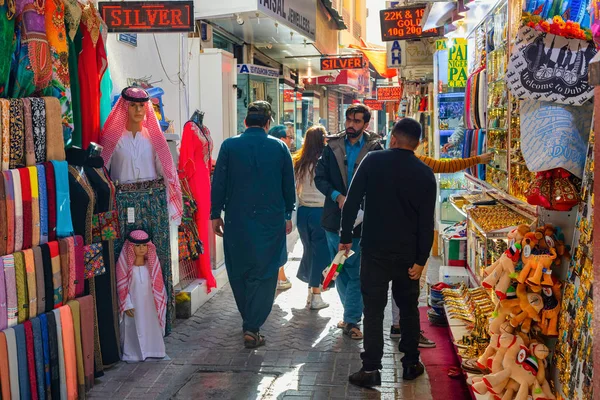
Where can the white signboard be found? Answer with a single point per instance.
(252, 69)
(395, 53)
(300, 15)
(402, 53)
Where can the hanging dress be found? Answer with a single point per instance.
(7, 42)
(72, 20)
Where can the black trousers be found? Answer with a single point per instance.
(377, 270)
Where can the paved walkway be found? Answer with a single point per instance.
(306, 357)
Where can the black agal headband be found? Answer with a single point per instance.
(135, 99)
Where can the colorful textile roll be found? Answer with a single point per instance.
(13, 363)
(64, 224)
(10, 211)
(56, 274)
(23, 370)
(5, 137)
(21, 281)
(35, 206)
(43, 198)
(63, 249)
(3, 218)
(18, 209)
(4, 368)
(70, 352)
(38, 346)
(17, 134)
(46, 347)
(87, 311)
(76, 313)
(48, 279)
(40, 284)
(28, 121)
(79, 266)
(27, 210)
(61, 354)
(11, 289)
(51, 194)
(38, 117)
(31, 282)
(31, 359)
(72, 278)
(54, 361)
(55, 145)
(3, 309)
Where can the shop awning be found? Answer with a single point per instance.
(337, 18)
(377, 57)
(439, 14)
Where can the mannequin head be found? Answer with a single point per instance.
(140, 250)
(136, 98)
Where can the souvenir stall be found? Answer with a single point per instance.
(521, 321)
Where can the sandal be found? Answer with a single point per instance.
(341, 325)
(353, 331)
(256, 340)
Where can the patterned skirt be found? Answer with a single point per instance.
(149, 201)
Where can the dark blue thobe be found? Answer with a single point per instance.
(254, 184)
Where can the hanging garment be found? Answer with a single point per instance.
(10, 280)
(70, 353)
(39, 357)
(55, 146)
(53, 345)
(79, 266)
(51, 194)
(38, 122)
(72, 278)
(56, 274)
(67, 265)
(195, 161)
(4, 365)
(61, 354)
(46, 347)
(27, 210)
(23, 369)
(31, 282)
(106, 90)
(76, 314)
(5, 110)
(43, 201)
(31, 360)
(28, 130)
(21, 284)
(64, 224)
(3, 218)
(82, 204)
(3, 309)
(18, 191)
(48, 279)
(7, 43)
(9, 190)
(13, 363)
(35, 206)
(75, 47)
(86, 308)
(40, 284)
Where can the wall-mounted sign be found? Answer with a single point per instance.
(330, 63)
(441, 44)
(148, 16)
(402, 53)
(289, 96)
(128, 38)
(300, 15)
(373, 104)
(252, 69)
(457, 63)
(405, 23)
(389, 93)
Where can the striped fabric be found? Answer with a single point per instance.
(11, 289)
(449, 166)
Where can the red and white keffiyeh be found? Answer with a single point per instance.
(125, 271)
(116, 125)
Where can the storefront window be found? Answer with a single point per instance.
(288, 100)
(252, 88)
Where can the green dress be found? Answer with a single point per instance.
(7, 43)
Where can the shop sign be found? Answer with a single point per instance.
(402, 53)
(373, 104)
(128, 38)
(547, 67)
(252, 69)
(405, 23)
(300, 15)
(457, 63)
(290, 95)
(441, 44)
(148, 16)
(389, 93)
(394, 53)
(331, 63)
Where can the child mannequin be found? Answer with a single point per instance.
(142, 299)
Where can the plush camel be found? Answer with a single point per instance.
(542, 272)
(528, 245)
(488, 359)
(541, 377)
(551, 310)
(527, 307)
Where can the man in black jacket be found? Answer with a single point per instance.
(399, 193)
(333, 175)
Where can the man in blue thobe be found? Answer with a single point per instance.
(254, 184)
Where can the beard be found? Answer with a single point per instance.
(351, 133)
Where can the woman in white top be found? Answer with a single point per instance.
(316, 252)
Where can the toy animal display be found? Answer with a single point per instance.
(549, 318)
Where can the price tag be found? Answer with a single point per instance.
(130, 215)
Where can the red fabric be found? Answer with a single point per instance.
(91, 67)
(193, 166)
(31, 359)
(51, 195)
(124, 264)
(27, 210)
(79, 267)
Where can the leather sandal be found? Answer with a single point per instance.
(256, 340)
(353, 332)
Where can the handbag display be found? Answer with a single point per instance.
(93, 260)
(105, 226)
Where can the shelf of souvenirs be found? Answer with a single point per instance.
(496, 221)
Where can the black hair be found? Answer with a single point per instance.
(253, 119)
(409, 130)
(358, 109)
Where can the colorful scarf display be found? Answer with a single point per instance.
(48, 281)
(27, 209)
(38, 118)
(3, 218)
(64, 224)
(78, 252)
(38, 348)
(13, 362)
(70, 352)
(10, 280)
(31, 360)
(53, 346)
(56, 274)
(4, 368)
(18, 209)
(35, 206)
(51, 193)
(46, 347)
(9, 190)
(43, 201)
(61, 354)
(55, 147)
(21, 285)
(76, 313)
(23, 369)
(28, 121)
(40, 285)
(31, 282)
(17, 134)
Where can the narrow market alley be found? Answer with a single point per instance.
(306, 356)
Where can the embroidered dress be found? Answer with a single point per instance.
(7, 42)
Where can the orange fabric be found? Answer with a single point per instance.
(70, 352)
(4, 371)
(378, 58)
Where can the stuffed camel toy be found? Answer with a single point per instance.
(527, 307)
(549, 318)
(488, 359)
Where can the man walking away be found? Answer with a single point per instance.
(399, 192)
(254, 184)
(333, 176)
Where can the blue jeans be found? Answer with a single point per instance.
(348, 281)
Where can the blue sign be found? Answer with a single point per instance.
(128, 38)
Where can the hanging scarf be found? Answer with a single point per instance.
(56, 274)
(76, 313)
(31, 360)
(61, 354)
(43, 196)
(5, 110)
(24, 386)
(70, 353)
(4, 368)
(64, 224)
(124, 273)
(64, 267)
(27, 120)
(51, 194)
(53, 344)
(72, 278)
(45, 345)
(17, 131)
(55, 145)
(31, 282)
(10, 279)
(13, 362)
(27, 210)
(9, 190)
(87, 311)
(35, 206)
(40, 285)
(18, 209)
(113, 130)
(79, 266)
(38, 117)
(3, 218)
(21, 282)
(3, 310)
(38, 348)
(48, 281)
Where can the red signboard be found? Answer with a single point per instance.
(331, 63)
(389, 93)
(289, 96)
(148, 16)
(405, 23)
(373, 104)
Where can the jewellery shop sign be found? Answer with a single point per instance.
(148, 16)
